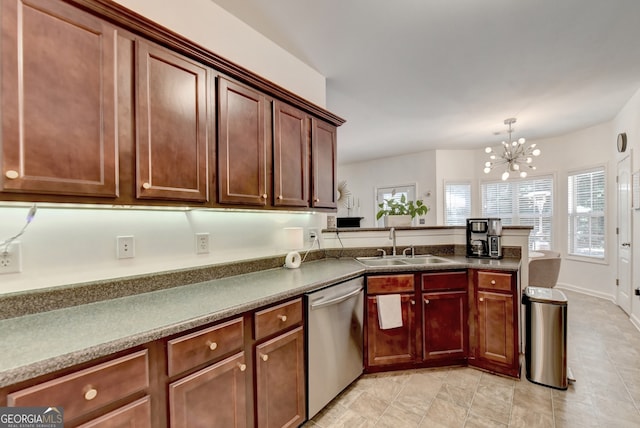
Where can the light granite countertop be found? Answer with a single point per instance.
(41, 343)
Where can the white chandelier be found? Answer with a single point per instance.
(515, 157)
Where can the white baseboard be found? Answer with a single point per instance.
(599, 294)
(612, 298)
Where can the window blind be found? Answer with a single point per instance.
(586, 208)
(457, 203)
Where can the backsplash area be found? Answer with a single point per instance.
(68, 245)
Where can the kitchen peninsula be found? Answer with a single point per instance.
(85, 347)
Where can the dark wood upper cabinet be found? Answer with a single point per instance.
(324, 162)
(171, 112)
(58, 101)
(242, 145)
(290, 156)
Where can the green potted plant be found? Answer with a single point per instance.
(400, 212)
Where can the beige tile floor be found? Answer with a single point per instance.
(603, 352)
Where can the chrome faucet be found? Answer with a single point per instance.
(392, 236)
(404, 252)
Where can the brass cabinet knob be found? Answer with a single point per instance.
(282, 318)
(212, 345)
(90, 393)
(146, 186)
(280, 197)
(264, 196)
(482, 299)
(11, 174)
(413, 302)
(426, 301)
(242, 367)
(316, 200)
(493, 282)
(264, 357)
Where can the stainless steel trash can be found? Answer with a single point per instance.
(546, 344)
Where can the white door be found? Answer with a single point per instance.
(623, 294)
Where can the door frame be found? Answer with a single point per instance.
(624, 234)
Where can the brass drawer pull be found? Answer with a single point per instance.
(212, 345)
(146, 186)
(242, 367)
(264, 357)
(282, 318)
(12, 174)
(90, 393)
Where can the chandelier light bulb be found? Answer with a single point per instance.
(487, 164)
(515, 167)
(536, 152)
(487, 150)
(521, 140)
(514, 143)
(492, 157)
(523, 174)
(505, 175)
(487, 170)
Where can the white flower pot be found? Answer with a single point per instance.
(397, 221)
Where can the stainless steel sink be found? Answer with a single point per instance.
(378, 261)
(426, 260)
(399, 261)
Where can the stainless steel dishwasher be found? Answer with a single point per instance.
(334, 341)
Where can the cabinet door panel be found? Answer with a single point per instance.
(171, 126)
(58, 101)
(242, 147)
(323, 159)
(445, 325)
(395, 345)
(214, 397)
(496, 330)
(280, 384)
(290, 156)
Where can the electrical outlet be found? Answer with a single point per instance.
(312, 233)
(125, 247)
(11, 260)
(202, 243)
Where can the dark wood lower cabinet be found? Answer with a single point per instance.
(444, 325)
(496, 332)
(394, 345)
(280, 381)
(465, 317)
(214, 397)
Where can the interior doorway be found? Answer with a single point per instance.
(624, 254)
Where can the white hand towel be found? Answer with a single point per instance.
(389, 311)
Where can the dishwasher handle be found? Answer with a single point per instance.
(337, 300)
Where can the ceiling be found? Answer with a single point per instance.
(415, 75)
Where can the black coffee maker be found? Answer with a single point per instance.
(484, 238)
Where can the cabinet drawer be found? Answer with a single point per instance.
(382, 284)
(136, 414)
(494, 281)
(444, 281)
(277, 318)
(89, 389)
(206, 345)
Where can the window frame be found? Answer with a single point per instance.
(516, 215)
(571, 206)
(445, 204)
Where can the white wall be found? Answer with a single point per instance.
(364, 177)
(65, 246)
(209, 25)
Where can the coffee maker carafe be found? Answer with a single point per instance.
(484, 238)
